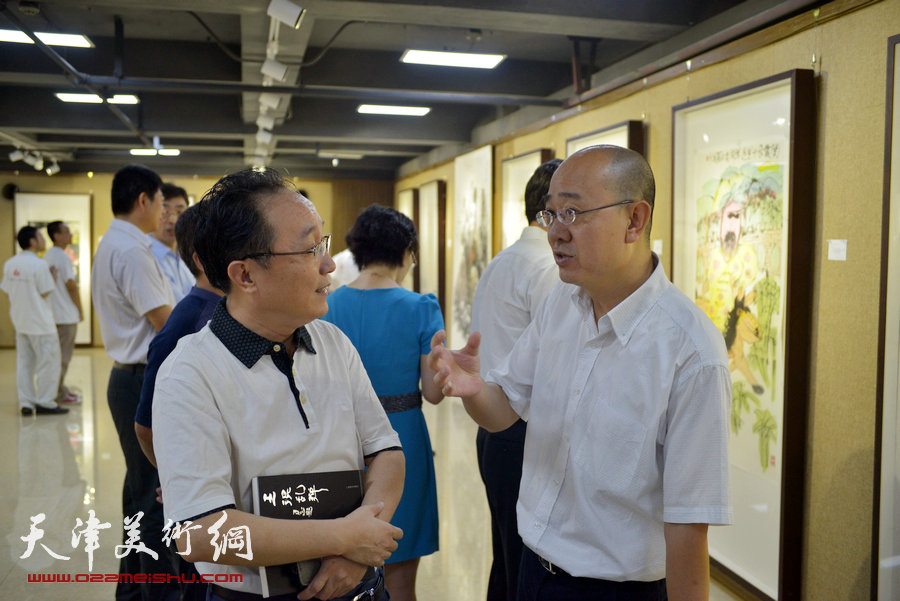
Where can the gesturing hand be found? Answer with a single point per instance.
(456, 372)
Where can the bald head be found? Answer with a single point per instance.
(621, 171)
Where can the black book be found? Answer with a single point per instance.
(312, 496)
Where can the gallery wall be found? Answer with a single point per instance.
(337, 201)
(845, 44)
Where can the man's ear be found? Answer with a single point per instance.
(639, 221)
(240, 274)
(196, 259)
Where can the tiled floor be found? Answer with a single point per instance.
(65, 466)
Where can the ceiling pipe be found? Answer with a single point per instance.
(140, 84)
(76, 76)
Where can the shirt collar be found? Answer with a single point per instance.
(246, 345)
(624, 317)
(130, 230)
(204, 294)
(160, 249)
(533, 232)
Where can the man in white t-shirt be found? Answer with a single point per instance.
(66, 302)
(29, 282)
(162, 242)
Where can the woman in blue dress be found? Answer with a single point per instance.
(391, 328)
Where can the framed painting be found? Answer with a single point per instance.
(75, 209)
(886, 538)
(628, 134)
(743, 239)
(515, 173)
(471, 242)
(431, 221)
(406, 204)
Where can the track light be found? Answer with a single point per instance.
(270, 100)
(274, 69)
(30, 158)
(287, 12)
(53, 169)
(264, 137)
(265, 122)
(38, 163)
(16, 155)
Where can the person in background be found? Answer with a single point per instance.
(267, 388)
(391, 328)
(133, 299)
(176, 270)
(625, 385)
(29, 283)
(66, 302)
(506, 299)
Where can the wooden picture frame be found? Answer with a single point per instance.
(431, 222)
(743, 239)
(39, 209)
(627, 134)
(514, 175)
(886, 514)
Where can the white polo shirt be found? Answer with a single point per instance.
(126, 283)
(25, 278)
(176, 272)
(509, 292)
(218, 422)
(627, 428)
(64, 309)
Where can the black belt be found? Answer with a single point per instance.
(401, 402)
(135, 368)
(552, 567)
(370, 589)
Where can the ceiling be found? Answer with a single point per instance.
(195, 66)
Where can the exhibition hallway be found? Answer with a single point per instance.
(65, 466)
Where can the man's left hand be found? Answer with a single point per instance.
(337, 576)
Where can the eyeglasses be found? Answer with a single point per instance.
(318, 251)
(567, 216)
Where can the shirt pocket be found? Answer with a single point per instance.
(610, 451)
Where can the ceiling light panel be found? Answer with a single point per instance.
(73, 40)
(387, 109)
(74, 97)
(452, 59)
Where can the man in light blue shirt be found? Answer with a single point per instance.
(163, 242)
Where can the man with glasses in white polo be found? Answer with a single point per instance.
(625, 386)
(266, 388)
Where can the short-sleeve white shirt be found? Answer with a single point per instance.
(176, 272)
(627, 428)
(25, 278)
(64, 309)
(218, 423)
(509, 292)
(126, 283)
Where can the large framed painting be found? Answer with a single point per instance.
(471, 243)
(628, 134)
(886, 545)
(75, 209)
(406, 204)
(743, 219)
(431, 219)
(515, 173)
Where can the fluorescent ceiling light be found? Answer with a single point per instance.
(143, 152)
(386, 109)
(74, 40)
(452, 59)
(340, 154)
(169, 152)
(73, 97)
(123, 99)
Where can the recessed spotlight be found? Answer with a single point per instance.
(74, 40)
(387, 109)
(452, 59)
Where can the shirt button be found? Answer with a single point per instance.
(276, 348)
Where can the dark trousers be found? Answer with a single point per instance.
(500, 464)
(537, 584)
(138, 494)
